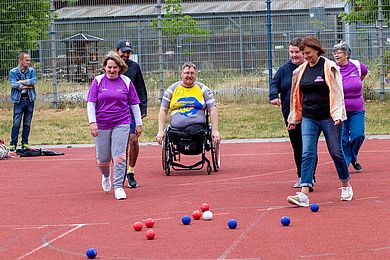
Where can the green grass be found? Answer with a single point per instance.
(240, 121)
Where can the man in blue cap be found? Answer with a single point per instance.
(125, 49)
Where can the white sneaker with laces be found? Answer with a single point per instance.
(120, 194)
(301, 199)
(346, 193)
(106, 183)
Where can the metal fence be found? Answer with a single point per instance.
(236, 46)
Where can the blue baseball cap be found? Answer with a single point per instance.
(124, 46)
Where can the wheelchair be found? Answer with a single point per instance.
(197, 140)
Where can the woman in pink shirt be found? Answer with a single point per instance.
(353, 72)
(110, 99)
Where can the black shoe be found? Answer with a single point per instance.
(356, 166)
(132, 183)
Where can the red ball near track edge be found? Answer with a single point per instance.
(150, 234)
(149, 223)
(204, 207)
(137, 226)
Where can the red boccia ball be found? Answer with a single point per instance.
(150, 234)
(137, 226)
(204, 207)
(149, 223)
(196, 214)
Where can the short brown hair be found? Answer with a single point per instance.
(295, 42)
(312, 42)
(188, 64)
(112, 55)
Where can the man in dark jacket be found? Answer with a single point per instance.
(125, 49)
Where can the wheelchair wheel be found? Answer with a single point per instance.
(215, 156)
(165, 152)
(167, 169)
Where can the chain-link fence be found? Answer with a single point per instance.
(235, 44)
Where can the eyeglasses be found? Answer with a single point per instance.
(189, 73)
(338, 52)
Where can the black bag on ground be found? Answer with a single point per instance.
(28, 152)
(37, 152)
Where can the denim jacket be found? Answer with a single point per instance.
(16, 91)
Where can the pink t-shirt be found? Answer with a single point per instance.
(113, 98)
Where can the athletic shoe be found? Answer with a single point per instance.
(106, 183)
(131, 182)
(120, 194)
(12, 148)
(356, 166)
(301, 199)
(297, 183)
(346, 193)
(25, 146)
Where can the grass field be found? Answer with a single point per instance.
(237, 121)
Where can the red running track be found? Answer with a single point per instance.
(54, 208)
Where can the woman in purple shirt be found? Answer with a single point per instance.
(110, 99)
(352, 72)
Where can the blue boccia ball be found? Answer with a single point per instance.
(186, 220)
(232, 223)
(285, 221)
(314, 207)
(91, 253)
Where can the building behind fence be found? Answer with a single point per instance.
(69, 41)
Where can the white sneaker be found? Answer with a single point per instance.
(346, 193)
(301, 199)
(297, 183)
(120, 194)
(106, 183)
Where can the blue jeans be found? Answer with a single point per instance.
(353, 135)
(311, 130)
(25, 109)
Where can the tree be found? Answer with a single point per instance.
(23, 24)
(175, 23)
(366, 10)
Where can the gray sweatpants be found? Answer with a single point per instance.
(111, 145)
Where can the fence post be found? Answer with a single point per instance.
(381, 53)
(160, 48)
(53, 55)
(269, 33)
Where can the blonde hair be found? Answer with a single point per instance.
(112, 55)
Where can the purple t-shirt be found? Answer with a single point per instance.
(352, 85)
(113, 98)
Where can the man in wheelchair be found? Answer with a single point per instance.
(188, 101)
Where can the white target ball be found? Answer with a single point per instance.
(207, 215)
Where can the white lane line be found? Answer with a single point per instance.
(317, 255)
(52, 225)
(51, 241)
(241, 237)
(381, 248)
